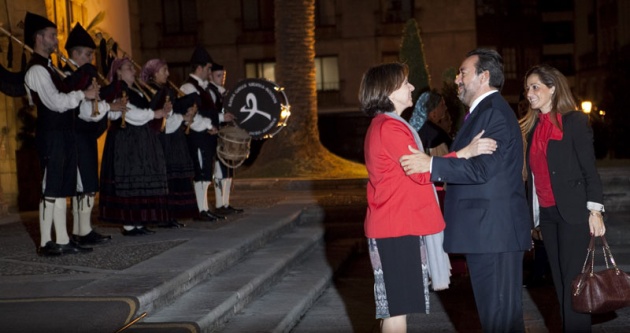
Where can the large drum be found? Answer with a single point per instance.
(260, 106)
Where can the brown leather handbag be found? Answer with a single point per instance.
(603, 291)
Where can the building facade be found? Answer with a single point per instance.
(581, 38)
(351, 35)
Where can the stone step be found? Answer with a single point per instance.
(617, 227)
(616, 186)
(219, 296)
(161, 280)
(281, 308)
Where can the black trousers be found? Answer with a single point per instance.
(497, 281)
(566, 246)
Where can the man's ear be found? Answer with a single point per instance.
(486, 75)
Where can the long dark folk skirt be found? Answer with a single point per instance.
(180, 171)
(133, 177)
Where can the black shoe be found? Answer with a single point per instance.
(132, 232)
(51, 249)
(223, 211)
(233, 210)
(216, 215)
(205, 216)
(172, 224)
(92, 238)
(73, 248)
(146, 231)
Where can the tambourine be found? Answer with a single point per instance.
(261, 107)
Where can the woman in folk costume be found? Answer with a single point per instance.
(133, 169)
(181, 199)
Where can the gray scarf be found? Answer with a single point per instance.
(439, 263)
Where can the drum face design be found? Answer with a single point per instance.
(258, 105)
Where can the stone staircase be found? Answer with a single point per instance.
(265, 281)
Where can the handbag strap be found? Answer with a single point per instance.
(590, 254)
(588, 270)
(608, 255)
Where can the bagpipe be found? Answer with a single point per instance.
(181, 103)
(157, 95)
(12, 83)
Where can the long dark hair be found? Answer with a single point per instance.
(562, 100)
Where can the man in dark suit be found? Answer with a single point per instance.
(485, 209)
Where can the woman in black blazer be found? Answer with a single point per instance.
(564, 188)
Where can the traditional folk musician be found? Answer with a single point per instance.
(133, 168)
(222, 174)
(202, 139)
(88, 128)
(55, 137)
(181, 199)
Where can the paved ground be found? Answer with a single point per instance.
(347, 306)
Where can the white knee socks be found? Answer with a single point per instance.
(46, 208)
(201, 193)
(82, 213)
(226, 185)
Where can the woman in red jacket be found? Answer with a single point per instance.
(403, 222)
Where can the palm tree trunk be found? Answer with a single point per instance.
(296, 151)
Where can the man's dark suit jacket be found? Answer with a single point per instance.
(571, 161)
(485, 207)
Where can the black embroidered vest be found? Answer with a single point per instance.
(48, 120)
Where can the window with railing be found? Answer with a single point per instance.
(325, 13)
(257, 14)
(563, 62)
(556, 5)
(510, 67)
(560, 32)
(388, 57)
(327, 73)
(179, 17)
(261, 69)
(397, 11)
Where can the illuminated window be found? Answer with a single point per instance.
(326, 72)
(261, 69)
